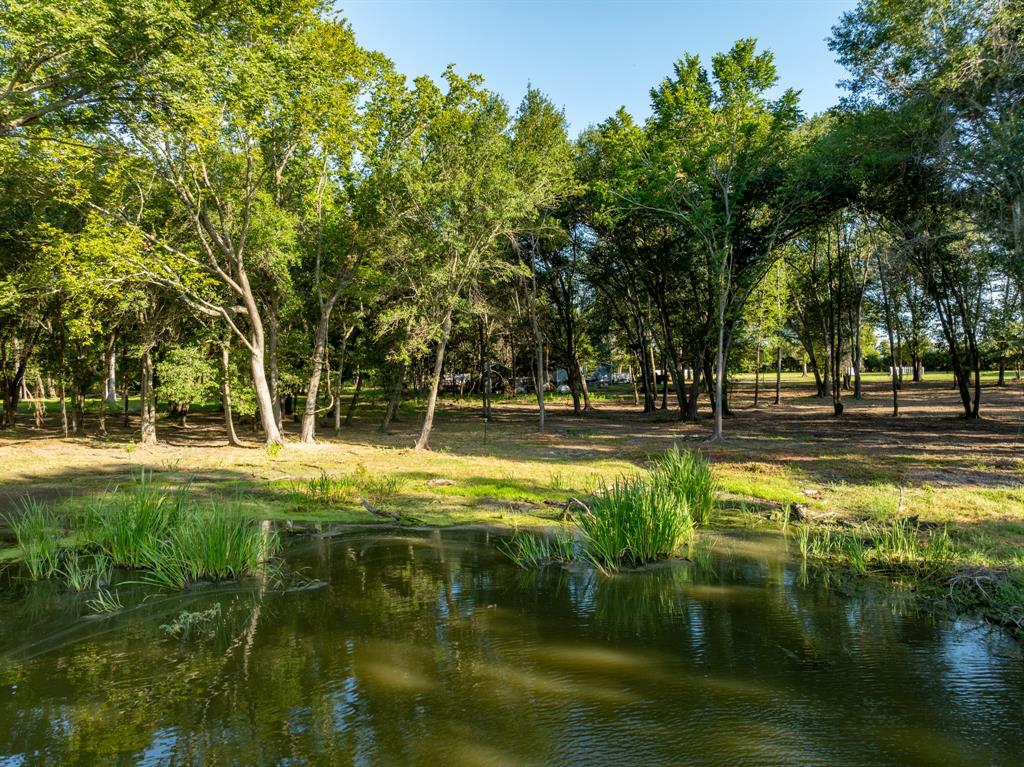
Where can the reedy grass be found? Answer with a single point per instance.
(342, 489)
(128, 522)
(633, 522)
(160, 533)
(688, 477)
(893, 548)
(37, 531)
(207, 545)
(83, 572)
(105, 602)
(530, 550)
(700, 553)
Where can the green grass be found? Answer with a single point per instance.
(532, 550)
(38, 533)
(160, 533)
(332, 490)
(886, 549)
(207, 545)
(129, 521)
(633, 522)
(688, 477)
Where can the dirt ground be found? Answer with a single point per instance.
(930, 462)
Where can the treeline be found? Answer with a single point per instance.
(216, 199)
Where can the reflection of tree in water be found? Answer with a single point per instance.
(426, 648)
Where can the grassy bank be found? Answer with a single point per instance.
(864, 469)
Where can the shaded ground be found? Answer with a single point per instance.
(930, 462)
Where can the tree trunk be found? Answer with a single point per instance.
(308, 434)
(147, 400)
(355, 398)
(269, 411)
(63, 407)
(110, 384)
(273, 382)
(720, 366)
(757, 375)
(423, 442)
(858, 352)
(39, 404)
(485, 370)
(693, 400)
(12, 392)
(778, 374)
(396, 395)
(225, 393)
(538, 339)
(587, 406)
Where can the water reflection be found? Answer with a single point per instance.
(430, 649)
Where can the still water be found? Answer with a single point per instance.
(430, 649)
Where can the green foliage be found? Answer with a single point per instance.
(633, 522)
(85, 571)
(341, 489)
(38, 533)
(129, 522)
(194, 625)
(531, 550)
(105, 603)
(186, 375)
(687, 476)
(898, 546)
(165, 536)
(209, 544)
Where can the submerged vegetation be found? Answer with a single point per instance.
(165, 537)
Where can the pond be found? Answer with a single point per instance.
(429, 648)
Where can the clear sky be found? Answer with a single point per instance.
(593, 57)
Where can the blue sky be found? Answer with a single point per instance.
(593, 57)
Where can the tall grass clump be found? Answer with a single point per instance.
(208, 545)
(897, 547)
(531, 551)
(38, 532)
(687, 476)
(635, 521)
(162, 534)
(128, 522)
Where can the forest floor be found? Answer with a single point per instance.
(866, 465)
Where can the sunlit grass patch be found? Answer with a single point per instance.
(346, 489)
(779, 489)
(498, 489)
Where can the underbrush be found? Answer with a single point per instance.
(164, 537)
(634, 521)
